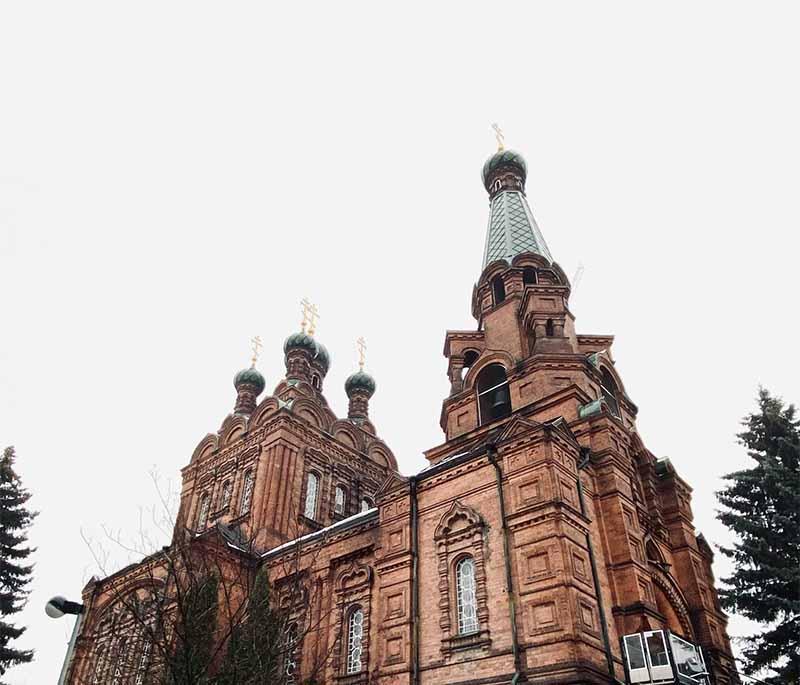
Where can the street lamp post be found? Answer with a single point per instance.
(56, 608)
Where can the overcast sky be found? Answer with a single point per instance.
(176, 176)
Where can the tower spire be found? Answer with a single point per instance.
(511, 229)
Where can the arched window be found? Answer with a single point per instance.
(529, 275)
(99, 665)
(315, 382)
(609, 390)
(247, 493)
(465, 596)
(119, 669)
(494, 401)
(355, 635)
(312, 486)
(144, 661)
(549, 329)
(498, 289)
(202, 511)
(225, 496)
(366, 504)
(340, 501)
(290, 658)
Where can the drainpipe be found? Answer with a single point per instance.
(519, 676)
(414, 584)
(586, 454)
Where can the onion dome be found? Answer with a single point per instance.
(251, 376)
(504, 158)
(360, 380)
(303, 341)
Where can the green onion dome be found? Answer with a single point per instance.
(323, 357)
(303, 341)
(251, 376)
(360, 380)
(504, 158)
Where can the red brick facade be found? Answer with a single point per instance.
(573, 532)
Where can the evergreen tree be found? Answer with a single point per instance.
(258, 649)
(196, 628)
(762, 507)
(14, 574)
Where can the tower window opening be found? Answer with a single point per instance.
(225, 496)
(340, 500)
(315, 382)
(549, 328)
(366, 504)
(497, 185)
(498, 289)
(312, 485)
(609, 389)
(529, 276)
(494, 400)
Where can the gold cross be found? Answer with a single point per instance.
(256, 345)
(310, 316)
(498, 133)
(306, 307)
(362, 349)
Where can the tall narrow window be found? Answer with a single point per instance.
(549, 328)
(119, 664)
(366, 504)
(225, 497)
(465, 595)
(99, 665)
(355, 635)
(494, 401)
(529, 275)
(247, 493)
(312, 485)
(144, 661)
(341, 500)
(609, 390)
(498, 289)
(202, 511)
(290, 658)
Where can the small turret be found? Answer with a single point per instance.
(249, 384)
(359, 386)
(306, 358)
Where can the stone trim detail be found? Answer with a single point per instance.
(460, 533)
(353, 586)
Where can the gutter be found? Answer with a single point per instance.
(519, 676)
(414, 583)
(586, 455)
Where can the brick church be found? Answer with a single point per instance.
(543, 542)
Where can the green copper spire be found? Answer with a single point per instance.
(512, 228)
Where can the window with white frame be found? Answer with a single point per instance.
(225, 496)
(312, 487)
(340, 500)
(465, 596)
(202, 511)
(247, 493)
(366, 503)
(355, 636)
(144, 661)
(119, 664)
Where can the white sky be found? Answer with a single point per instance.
(175, 176)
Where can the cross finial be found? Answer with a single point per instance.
(498, 133)
(255, 345)
(361, 344)
(310, 316)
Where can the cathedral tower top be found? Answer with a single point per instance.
(512, 229)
